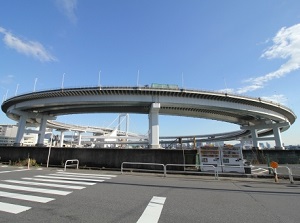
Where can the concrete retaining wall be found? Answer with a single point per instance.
(265, 156)
(113, 158)
(107, 158)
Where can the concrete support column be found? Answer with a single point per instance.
(242, 142)
(62, 136)
(254, 137)
(21, 130)
(79, 138)
(277, 136)
(41, 135)
(154, 126)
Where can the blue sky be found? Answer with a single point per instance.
(244, 47)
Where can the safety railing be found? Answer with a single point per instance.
(274, 170)
(215, 168)
(164, 166)
(289, 172)
(145, 164)
(72, 163)
(216, 172)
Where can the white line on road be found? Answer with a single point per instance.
(259, 171)
(26, 197)
(70, 178)
(153, 210)
(87, 174)
(60, 181)
(9, 171)
(34, 189)
(12, 208)
(45, 184)
(79, 176)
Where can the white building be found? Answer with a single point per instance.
(8, 134)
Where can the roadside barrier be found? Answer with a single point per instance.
(290, 173)
(274, 170)
(136, 163)
(72, 163)
(216, 172)
(164, 167)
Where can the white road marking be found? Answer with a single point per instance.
(60, 181)
(153, 210)
(70, 178)
(79, 176)
(12, 208)
(34, 189)
(45, 184)
(259, 171)
(87, 174)
(10, 171)
(26, 197)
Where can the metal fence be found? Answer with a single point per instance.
(71, 163)
(165, 170)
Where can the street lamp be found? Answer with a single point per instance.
(62, 82)
(34, 84)
(50, 148)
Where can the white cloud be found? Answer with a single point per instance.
(227, 90)
(278, 98)
(68, 7)
(7, 80)
(29, 48)
(286, 45)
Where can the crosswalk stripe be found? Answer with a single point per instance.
(34, 189)
(70, 178)
(45, 184)
(9, 171)
(60, 181)
(88, 174)
(153, 211)
(79, 176)
(13, 208)
(26, 197)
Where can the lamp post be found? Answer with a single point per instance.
(34, 84)
(99, 76)
(16, 89)
(50, 148)
(62, 82)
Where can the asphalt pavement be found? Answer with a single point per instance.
(51, 195)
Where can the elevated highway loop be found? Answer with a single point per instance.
(253, 114)
(98, 132)
(133, 138)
